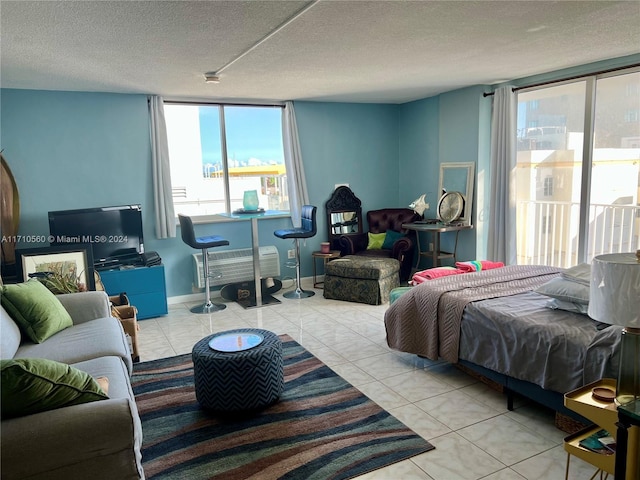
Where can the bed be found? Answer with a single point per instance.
(494, 323)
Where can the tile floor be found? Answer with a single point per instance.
(475, 436)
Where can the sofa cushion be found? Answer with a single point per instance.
(10, 337)
(36, 310)
(375, 241)
(390, 238)
(33, 385)
(93, 339)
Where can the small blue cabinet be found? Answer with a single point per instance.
(144, 286)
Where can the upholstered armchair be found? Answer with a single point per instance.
(400, 244)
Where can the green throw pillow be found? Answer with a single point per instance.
(390, 238)
(375, 241)
(32, 385)
(36, 310)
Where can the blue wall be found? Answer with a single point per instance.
(355, 144)
(438, 130)
(75, 150)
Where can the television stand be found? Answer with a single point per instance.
(144, 286)
(106, 265)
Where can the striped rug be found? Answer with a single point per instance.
(321, 428)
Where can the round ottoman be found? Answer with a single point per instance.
(233, 381)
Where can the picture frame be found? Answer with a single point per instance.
(75, 260)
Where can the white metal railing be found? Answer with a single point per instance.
(548, 232)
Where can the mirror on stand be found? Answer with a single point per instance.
(344, 215)
(458, 177)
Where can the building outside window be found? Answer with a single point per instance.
(217, 152)
(556, 170)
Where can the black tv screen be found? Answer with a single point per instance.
(115, 233)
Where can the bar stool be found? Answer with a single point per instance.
(307, 230)
(203, 243)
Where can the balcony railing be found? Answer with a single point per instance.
(548, 232)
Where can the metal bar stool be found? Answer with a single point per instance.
(203, 243)
(307, 230)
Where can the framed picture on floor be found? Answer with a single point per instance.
(68, 266)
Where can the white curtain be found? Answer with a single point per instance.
(298, 194)
(162, 198)
(501, 242)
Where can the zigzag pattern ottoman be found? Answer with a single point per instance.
(238, 381)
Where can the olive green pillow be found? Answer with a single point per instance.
(36, 310)
(32, 385)
(376, 240)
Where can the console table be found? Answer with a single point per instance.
(260, 299)
(144, 286)
(435, 229)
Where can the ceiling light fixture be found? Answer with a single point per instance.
(211, 77)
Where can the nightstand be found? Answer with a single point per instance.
(605, 416)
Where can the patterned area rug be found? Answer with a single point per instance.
(321, 428)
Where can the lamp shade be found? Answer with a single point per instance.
(614, 296)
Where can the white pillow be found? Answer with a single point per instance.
(565, 290)
(556, 304)
(580, 273)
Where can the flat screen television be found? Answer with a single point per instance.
(115, 233)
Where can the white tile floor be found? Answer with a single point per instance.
(474, 434)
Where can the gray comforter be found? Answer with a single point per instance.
(493, 319)
(520, 337)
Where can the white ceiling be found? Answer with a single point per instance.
(348, 51)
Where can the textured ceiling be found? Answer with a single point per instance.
(353, 51)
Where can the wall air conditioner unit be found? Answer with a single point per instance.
(235, 265)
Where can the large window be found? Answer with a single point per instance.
(578, 170)
(217, 152)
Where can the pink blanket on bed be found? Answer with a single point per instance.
(461, 267)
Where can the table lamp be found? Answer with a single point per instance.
(614, 298)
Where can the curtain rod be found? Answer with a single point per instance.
(226, 104)
(575, 77)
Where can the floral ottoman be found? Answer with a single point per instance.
(361, 279)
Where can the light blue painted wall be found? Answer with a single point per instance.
(439, 130)
(75, 150)
(418, 151)
(459, 130)
(355, 144)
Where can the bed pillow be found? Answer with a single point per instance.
(32, 385)
(36, 310)
(580, 274)
(556, 304)
(565, 290)
(376, 240)
(390, 238)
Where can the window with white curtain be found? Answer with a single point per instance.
(217, 152)
(578, 170)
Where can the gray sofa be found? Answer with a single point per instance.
(97, 440)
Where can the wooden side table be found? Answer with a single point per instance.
(326, 257)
